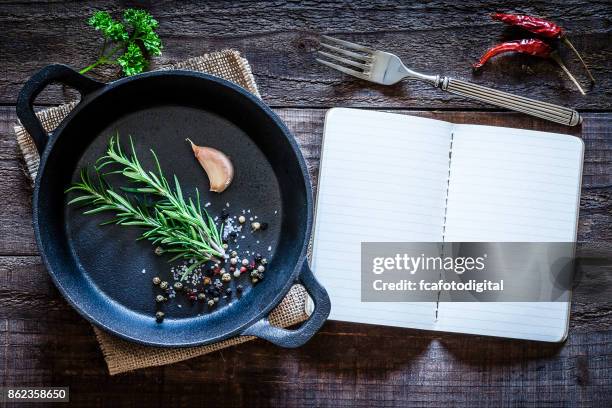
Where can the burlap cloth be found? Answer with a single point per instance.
(119, 354)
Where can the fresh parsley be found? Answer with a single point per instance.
(127, 43)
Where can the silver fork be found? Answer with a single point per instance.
(387, 69)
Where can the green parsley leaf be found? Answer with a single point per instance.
(140, 20)
(131, 41)
(110, 28)
(132, 61)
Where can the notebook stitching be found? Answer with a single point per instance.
(450, 158)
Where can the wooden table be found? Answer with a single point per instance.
(44, 342)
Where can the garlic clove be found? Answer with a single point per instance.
(216, 164)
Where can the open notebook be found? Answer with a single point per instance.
(398, 178)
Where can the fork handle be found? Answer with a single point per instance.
(544, 110)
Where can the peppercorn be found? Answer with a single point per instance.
(216, 270)
(264, 261)
(216, 299)
(233, 235)
(224, 214)
(263, 226)
(260, 268)
(239, 288)
(234, 254)
(255, 226)
(242, 219)
(245, 262)
(192, 296)
(254, 280)
(226, 277)
(233, 261)
(163, 285)
(178, 286)
(160, 298)
(156, 280)
(218, 284)
(225, 246)
(206, 280)
(228, 291)
(159, 316)
(211, 303)
(258, 258)
(243, 269)
(254, 274)
(201, 296)
(236, 274)
(159, 251)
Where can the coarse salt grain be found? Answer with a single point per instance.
(207, 204)
(269, 248)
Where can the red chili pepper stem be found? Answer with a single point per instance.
(571, 47)
(543, 28)
(557, 59)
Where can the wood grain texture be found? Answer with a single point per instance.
(280, 39)
(43, 341)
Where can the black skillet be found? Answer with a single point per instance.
(104, 272)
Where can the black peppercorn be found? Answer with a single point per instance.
(163, 285)
(263, 226)
(160, 298)
(239, 288)
(201, 296)
(178, 286)
(156, 280)
(159, 316)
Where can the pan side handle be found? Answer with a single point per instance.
(39, 81)
(295, 338)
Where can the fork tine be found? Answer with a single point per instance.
(344, 60)
(349, 44)
(344, 69)
(361, 57)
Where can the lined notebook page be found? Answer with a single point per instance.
(511, 185)
(383, 177)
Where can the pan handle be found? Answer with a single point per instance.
(39, 81)
(295, 338)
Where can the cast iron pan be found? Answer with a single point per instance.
(103, 271)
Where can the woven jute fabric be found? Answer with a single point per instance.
(121, 355)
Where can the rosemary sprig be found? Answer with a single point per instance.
(180, 227)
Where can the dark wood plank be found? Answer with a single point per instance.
(343, 365)
(280, 40)
(44, 341)
(307, 126)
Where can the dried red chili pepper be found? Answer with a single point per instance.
(535, 47)
(541, 27)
